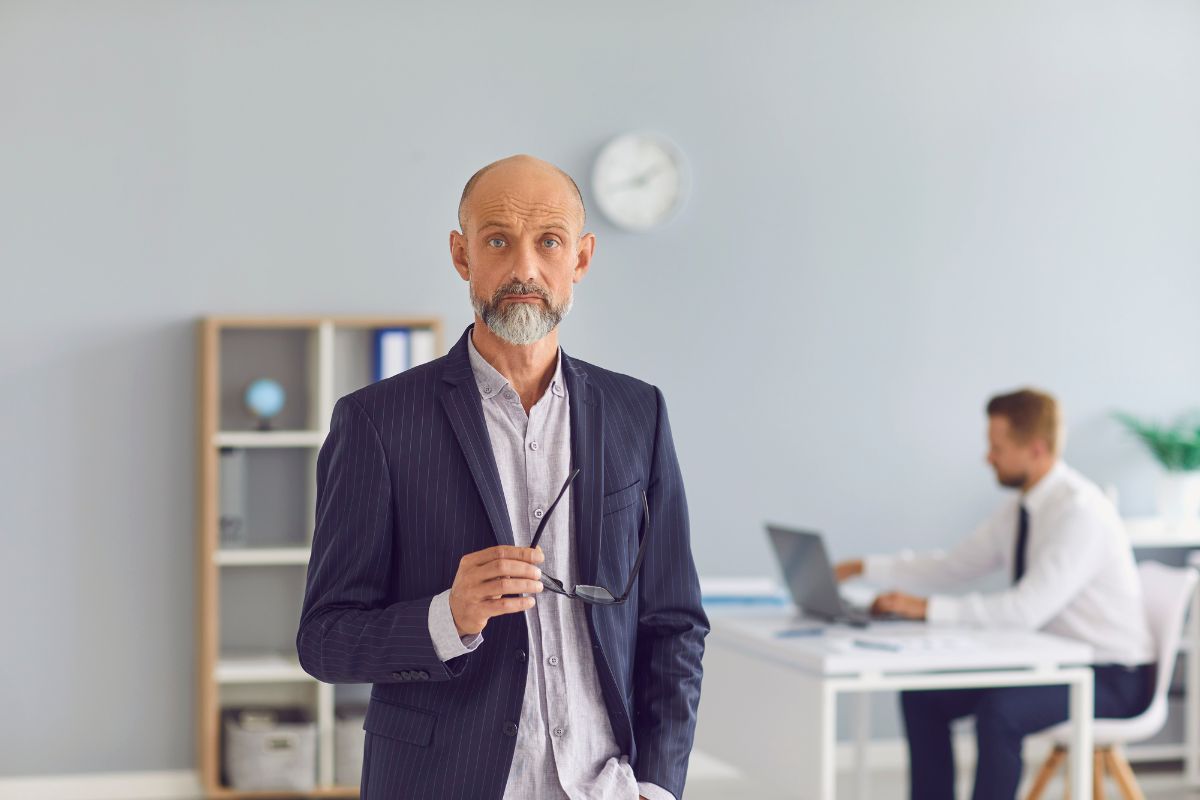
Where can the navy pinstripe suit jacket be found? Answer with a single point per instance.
(406, 485)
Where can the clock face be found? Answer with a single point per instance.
(639, 181)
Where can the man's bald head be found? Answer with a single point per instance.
(514, 165)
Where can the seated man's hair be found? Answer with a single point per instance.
(1032, 414)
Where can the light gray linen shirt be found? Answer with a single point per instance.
(565, 744)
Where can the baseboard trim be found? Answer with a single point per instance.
(183, 784)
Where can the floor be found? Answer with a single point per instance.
(886, 785)
(893, 786)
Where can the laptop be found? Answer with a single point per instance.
(809, 577)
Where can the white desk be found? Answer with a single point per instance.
(1159, 532)
(831, 664)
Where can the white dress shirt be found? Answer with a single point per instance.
(565, 744)
(1080, 577)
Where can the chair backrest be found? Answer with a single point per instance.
(1166, 595)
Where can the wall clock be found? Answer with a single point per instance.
(640, 181)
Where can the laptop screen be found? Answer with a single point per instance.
(806, 570)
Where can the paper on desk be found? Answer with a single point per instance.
(741, 591)
(923, 643)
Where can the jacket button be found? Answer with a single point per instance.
(397, 675)
(521, 656)
(423, 675)
(510, 729)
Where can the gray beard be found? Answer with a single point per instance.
(520, 323)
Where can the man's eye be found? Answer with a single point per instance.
(496, 241)
(550, 242)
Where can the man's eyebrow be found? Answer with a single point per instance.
(561, 225)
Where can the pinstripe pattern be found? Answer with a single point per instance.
(406, 485)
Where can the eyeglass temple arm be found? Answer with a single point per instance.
(546, 517)
(637, 563)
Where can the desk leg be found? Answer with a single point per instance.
(862, 736)
(815, 764)
(1191, 723)
(1081, 710)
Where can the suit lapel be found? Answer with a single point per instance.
(460, 399)
(586, 402)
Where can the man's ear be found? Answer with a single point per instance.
(587, 247)
(458, 255)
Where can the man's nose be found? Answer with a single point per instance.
(524, 264)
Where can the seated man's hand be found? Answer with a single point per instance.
(906, 605)
(845, 570)
(485, 577)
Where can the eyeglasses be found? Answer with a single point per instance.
(597, 595)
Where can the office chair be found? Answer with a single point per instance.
(1166, 594)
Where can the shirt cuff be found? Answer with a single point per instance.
(446, 641)
(652, 791)
(941, 609)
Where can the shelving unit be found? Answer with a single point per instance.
(246, 654)
(261, 557)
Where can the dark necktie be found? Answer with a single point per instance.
(1022, 541)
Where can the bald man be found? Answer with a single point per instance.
(502, 543)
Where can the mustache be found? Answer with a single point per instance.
(520, 288)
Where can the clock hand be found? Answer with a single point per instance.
(639, 180)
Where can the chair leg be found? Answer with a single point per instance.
(1119, 767)
(1046, 773)
(1099, 757)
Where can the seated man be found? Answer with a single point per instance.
(1073, 574)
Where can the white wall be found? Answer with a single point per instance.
(899, 208)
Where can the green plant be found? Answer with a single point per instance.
(1176, 446)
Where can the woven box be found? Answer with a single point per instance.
(270, 749)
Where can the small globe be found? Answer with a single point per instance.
(265, 398)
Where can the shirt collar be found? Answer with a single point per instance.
(491, 383)
(1041, 491)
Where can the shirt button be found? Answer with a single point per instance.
(508, 394)
(510, 729)
(559, 731)
(487, 390)
(537, 512)
(552, 661)
(533, 445)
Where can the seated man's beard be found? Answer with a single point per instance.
(517, 322)
(1012, 480)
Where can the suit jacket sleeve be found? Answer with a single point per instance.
(350, 630)
(671, 626)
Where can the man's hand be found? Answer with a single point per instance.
(485, 576)
(906, 605)
(846, 570)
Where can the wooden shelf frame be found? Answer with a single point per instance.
(213, 672)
